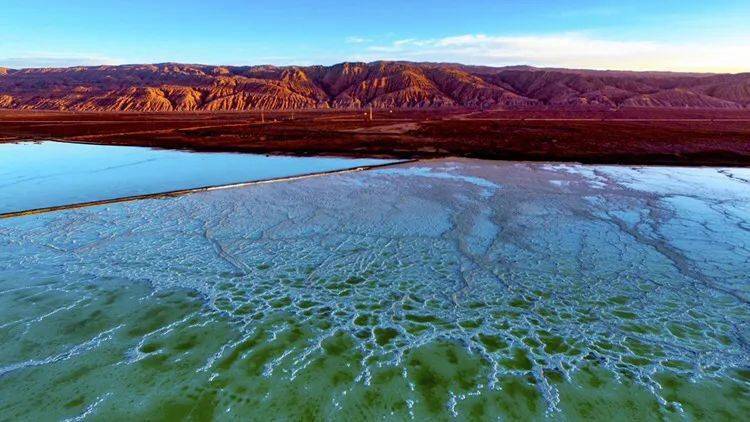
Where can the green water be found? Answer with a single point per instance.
(443, 290)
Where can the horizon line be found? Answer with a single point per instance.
(414, 62)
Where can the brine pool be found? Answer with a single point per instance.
(446, 289)
(47, 174)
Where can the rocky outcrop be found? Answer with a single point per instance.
(679, 97)
(182, 87)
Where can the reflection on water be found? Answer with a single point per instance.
(452, 288)
(46, 174)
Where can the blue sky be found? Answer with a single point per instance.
(653, 34)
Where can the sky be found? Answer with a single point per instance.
(687, 35)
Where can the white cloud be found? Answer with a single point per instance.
(570, 50)
(357, 40)
(53, 60)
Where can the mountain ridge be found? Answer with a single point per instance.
(170, 86)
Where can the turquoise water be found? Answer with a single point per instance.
(46, 174)
(447, 289)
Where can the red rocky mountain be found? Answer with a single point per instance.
(185, 87)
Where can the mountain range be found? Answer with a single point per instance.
(187, 87)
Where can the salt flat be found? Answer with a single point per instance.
(441, 288)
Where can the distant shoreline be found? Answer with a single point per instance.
(629, 136)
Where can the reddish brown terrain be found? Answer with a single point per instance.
(383, 85)
(420, 110)
(629, 136)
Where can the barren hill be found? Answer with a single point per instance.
(184, 87)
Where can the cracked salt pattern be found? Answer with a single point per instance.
(540, 271)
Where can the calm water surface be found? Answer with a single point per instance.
(449, 289)
(45, 174)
